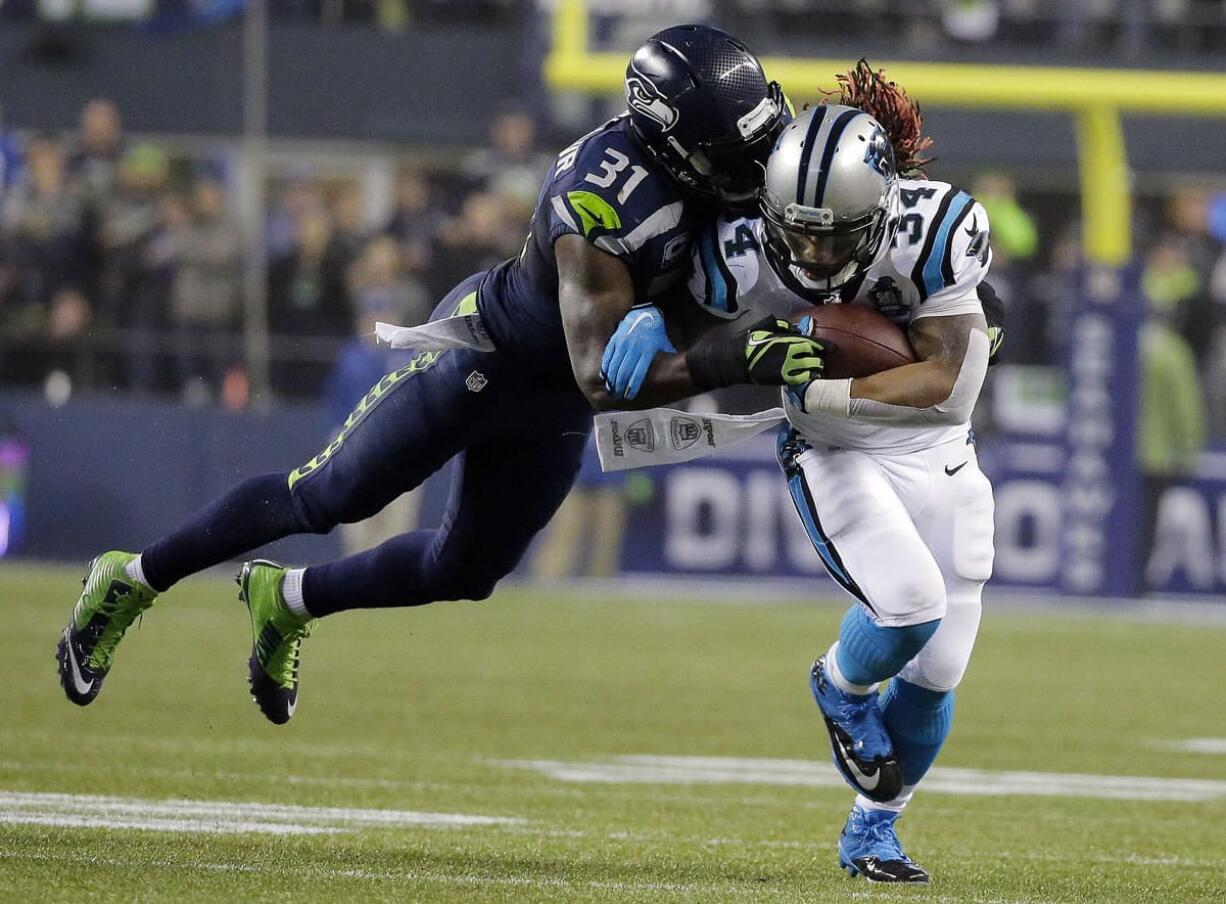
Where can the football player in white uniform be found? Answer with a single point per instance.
(882, 469)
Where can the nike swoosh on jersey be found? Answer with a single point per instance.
(78, 680)
(973, 229)
(950, 472)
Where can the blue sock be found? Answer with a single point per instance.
(918, 721)
(869, 653)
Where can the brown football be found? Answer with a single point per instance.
(862, 341)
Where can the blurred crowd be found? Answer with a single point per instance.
(1126, 26)
(122, 267)
(1120, 26)
(391, 15)
(1180, 247)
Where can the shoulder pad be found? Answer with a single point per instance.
(948, 248)
(726, 265)
(613, 197)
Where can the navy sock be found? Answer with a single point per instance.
(918, 721)
(869, 653)
(255, 512)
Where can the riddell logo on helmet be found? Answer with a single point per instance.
(643, 97)
(755, 119)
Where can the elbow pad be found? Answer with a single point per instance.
(958, 405)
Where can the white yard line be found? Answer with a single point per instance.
(226, 775)
(1216, 746)
(217, 816)
(805, 773)
(154, 824)
(265, 779)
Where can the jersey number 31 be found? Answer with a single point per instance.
(611, 168)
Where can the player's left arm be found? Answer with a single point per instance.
(945, 347)
(941, 388)
(595, 292)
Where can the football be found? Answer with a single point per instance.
(862, 342)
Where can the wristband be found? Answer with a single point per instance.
(829, 397)
(718, 362)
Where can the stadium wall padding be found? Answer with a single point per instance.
(732, 516)
(117, 473)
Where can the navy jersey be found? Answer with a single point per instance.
(605, 188)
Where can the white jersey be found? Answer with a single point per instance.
(940, 255)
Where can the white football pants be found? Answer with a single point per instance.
(910, 536)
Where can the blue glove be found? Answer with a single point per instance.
(628, 356)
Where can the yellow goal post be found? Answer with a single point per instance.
(1094, 97)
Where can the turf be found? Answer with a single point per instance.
(412, 710)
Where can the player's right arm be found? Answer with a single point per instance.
(595, 291)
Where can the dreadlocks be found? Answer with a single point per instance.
(866, 89)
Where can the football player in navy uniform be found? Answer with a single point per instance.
(612, 228)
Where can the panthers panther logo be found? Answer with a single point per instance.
(978, 246)
(878, 154)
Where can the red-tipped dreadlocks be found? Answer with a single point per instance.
(866, 89)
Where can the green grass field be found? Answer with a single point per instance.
(420, 712)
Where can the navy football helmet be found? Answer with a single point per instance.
(703, 109)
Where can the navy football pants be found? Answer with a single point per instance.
(517, 444)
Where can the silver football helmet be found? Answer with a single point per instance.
(831, 197)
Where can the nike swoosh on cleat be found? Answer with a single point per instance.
(78, 681)
(867, 782)
(950, 472)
